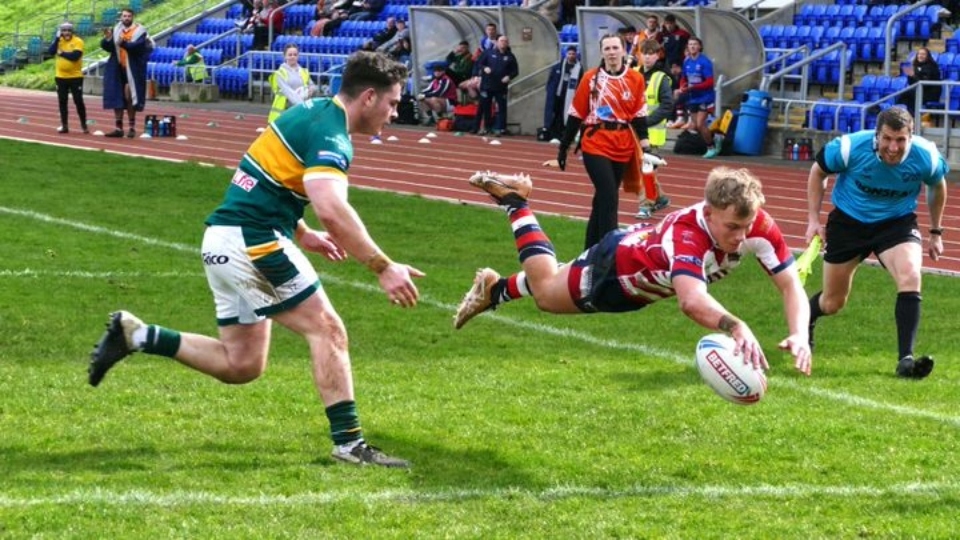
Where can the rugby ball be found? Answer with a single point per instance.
(726, 373)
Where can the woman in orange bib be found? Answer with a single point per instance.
(609, 112)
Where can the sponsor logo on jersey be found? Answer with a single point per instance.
(338, 159)
(213, 259)
(244, 181)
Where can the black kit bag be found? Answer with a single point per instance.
(690, 143)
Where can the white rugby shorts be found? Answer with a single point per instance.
(252, 283)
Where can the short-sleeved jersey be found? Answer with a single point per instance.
(869, 190)
(307, 142)
(696, 70)
(602, 97)
(648, 259)
(69, 69)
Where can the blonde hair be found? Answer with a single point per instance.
(737, 187)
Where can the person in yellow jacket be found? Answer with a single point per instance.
(194, 66)
(659, 109)
(290, 83)
(68, 50)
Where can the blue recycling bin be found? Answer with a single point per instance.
(752, 123)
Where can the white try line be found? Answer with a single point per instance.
(391, 496)
(805, 385)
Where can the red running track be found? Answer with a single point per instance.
(436, 170)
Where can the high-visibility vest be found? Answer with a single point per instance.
(657, 133)
(198, 71)
(280, 100)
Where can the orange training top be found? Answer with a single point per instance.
(602, 98)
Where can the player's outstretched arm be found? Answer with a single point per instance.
(340, 219)
(816, 187)
(697, 304)
(796, 308)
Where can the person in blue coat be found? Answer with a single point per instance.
(562, 84)
(125, 74)
(496, 67)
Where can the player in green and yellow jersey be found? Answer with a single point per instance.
(258, 273)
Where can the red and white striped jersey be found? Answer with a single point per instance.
(648, 258)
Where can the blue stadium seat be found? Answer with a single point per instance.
(831, 35)
(831, 15)
(785, 41)
(822, 116)
(862, 90)
(773, 35)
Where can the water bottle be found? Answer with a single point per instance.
(787, 148)
(172, 126)
(149, 126)
(795, 155)
(163, 127)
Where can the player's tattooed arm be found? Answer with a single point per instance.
(727, 323)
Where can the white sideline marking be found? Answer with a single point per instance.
(190, 498)
(805, 387)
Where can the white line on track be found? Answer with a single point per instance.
(804, 386)
(192, 498)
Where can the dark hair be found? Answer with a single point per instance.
(464, 42)
(896, 118)
(670, 17)
(572, 48)
(365, 70)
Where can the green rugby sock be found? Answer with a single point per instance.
(161, 341)
(344, 422)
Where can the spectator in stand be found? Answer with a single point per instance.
(674, 41)
(393, 44)
(125, 74)
(651, 31)
(627, 34)
(195, 69)
(563, 81)
(250, 20)
(324, 12)
(383, 36)
(460, 63)
(439, 97)
(290, 83)
(68, 75)
(697, 86)
(268, 22)
(679, 101)
(249, 6)
(496, 67)
(369, 10)
(659, 96)
(489, 39)
(401, 53)
(923, 68)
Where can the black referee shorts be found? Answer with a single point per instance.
(848, 238)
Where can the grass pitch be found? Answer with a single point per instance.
(520, 425)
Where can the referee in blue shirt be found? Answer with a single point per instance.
(878, 179)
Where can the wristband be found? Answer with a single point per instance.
(937, 231)
(378, 262)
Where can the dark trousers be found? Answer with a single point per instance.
(485, 111)
(74, 87)
(606, 176)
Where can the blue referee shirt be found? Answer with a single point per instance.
(869, 190)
